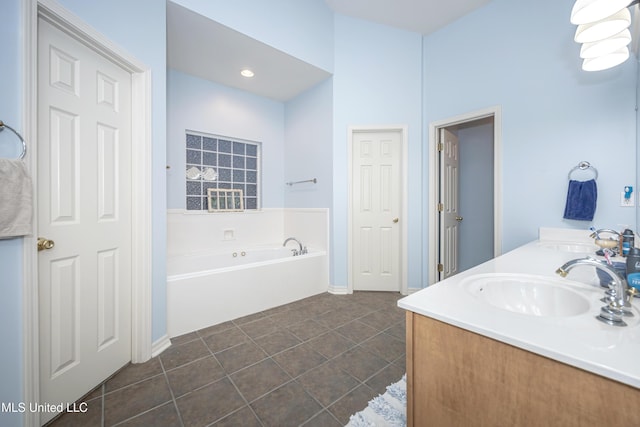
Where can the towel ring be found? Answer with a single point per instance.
(24, 144)
(583, 166)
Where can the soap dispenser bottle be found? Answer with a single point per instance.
(627, 241)
(633, 268)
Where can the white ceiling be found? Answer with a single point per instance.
(419, 16)
(211, 51)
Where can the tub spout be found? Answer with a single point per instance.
(295, 251)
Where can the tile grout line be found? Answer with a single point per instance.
(173, 400)
(283, 327)
(270, 356)
(292, 379)
(326, 362)
(103, 388)
(295, 378)
(173, 397)
(228, 375)
(236, 387)
(365, 307)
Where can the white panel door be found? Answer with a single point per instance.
(84, 207)
(376, 207)
(449, 204)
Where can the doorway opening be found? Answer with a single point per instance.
(465, 197)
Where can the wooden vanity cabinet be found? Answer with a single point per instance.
(460, 378)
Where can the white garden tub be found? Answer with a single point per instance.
(210, 288)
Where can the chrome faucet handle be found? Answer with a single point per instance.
(622, 303)
(295, 252)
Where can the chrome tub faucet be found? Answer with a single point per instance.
(302, 250)
(617, 297)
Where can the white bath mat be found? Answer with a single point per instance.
(387, 410)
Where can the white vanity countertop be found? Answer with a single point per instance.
(580, 341)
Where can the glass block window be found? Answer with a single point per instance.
(221, 163)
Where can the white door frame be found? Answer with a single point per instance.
(434, 129)
(141, 346)
(403, 200)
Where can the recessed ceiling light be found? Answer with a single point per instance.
(247, 73)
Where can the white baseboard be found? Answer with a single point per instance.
(160, 345)
(338, 290)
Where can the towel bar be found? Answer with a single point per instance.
(314, 180)
(24, 144)
(583, 165)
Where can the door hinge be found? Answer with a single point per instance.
(440, 146)
(440, 207)
(440, 268)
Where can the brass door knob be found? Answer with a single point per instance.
(459, 218)
(45, 244)
(395, 220)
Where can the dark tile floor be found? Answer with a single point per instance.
(313, 362)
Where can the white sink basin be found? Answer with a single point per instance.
(527, 294)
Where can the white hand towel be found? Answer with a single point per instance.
(16, 199)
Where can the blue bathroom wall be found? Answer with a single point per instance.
(377, 81)
(303, 29)
(11, 332)
(308, 151)
(204, 106)
(11, 356)
(521, 56)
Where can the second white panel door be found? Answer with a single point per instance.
(376, 208)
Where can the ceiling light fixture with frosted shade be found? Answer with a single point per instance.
(607, 27)
(606, 46)
(606, 61)
(586, 11)
(247, 73)
(603, 30)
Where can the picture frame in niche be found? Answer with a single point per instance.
(220, 200)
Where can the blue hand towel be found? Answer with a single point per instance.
(581, 200)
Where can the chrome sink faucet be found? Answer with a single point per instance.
(596, 233)
(302, 250)
(618, 298)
